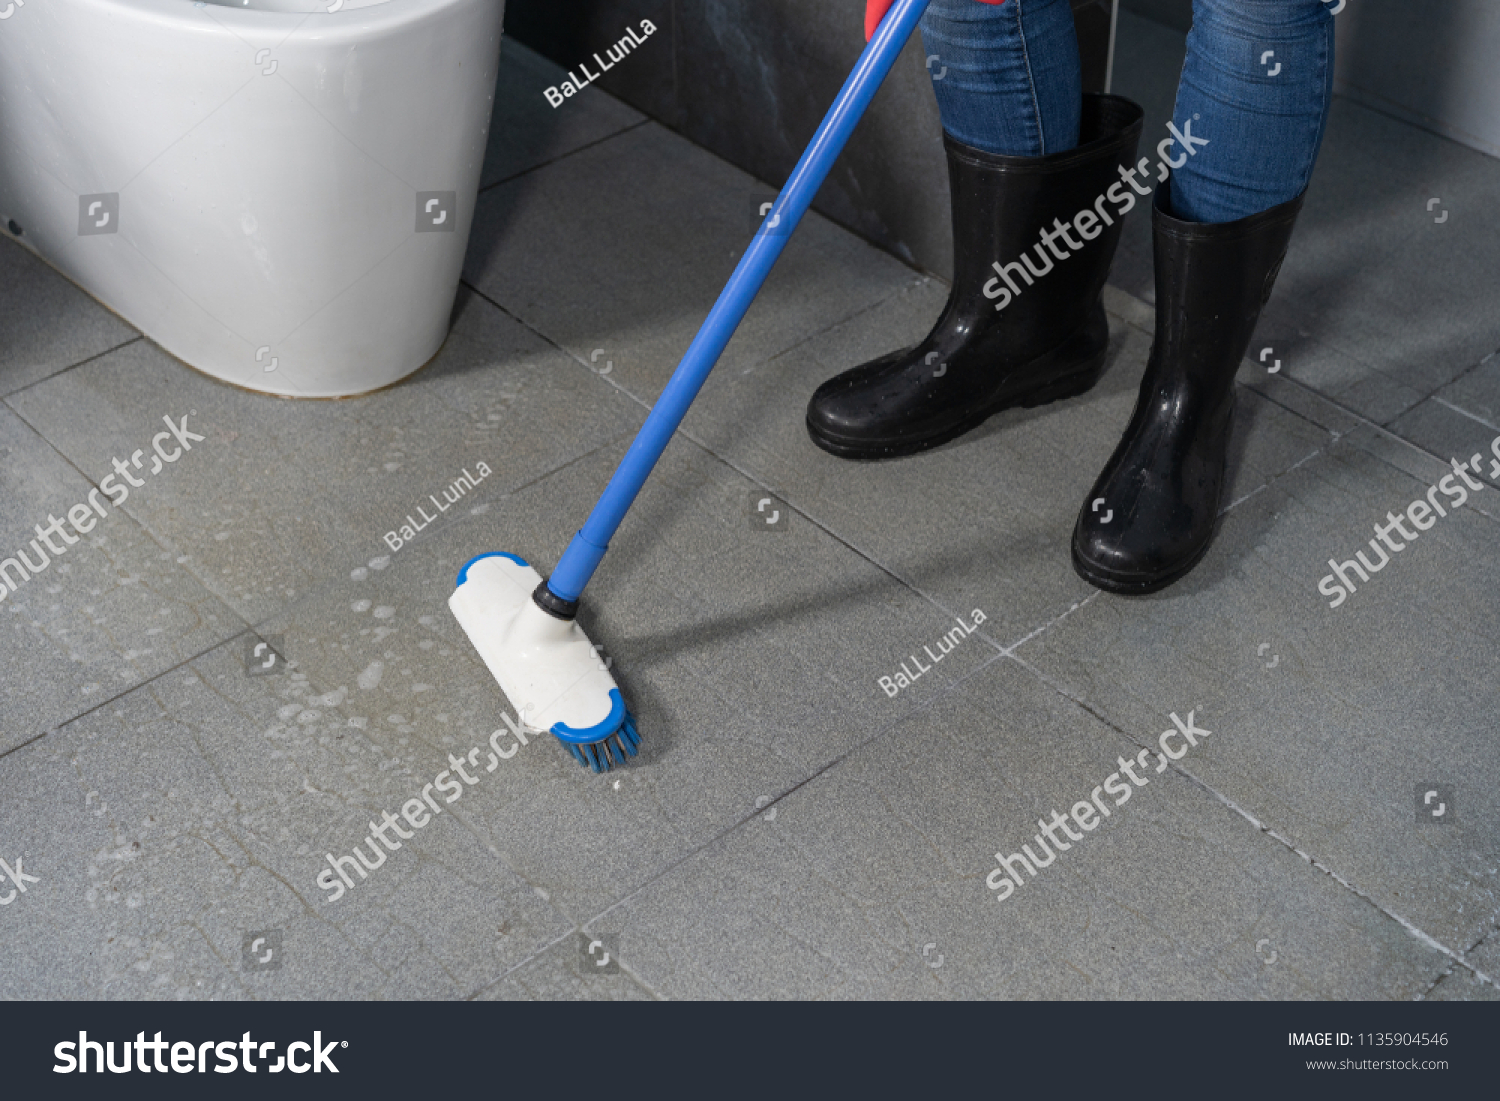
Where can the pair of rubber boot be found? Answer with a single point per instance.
(1033, 239)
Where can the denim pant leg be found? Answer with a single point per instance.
(1013, 78)
(1256, 85)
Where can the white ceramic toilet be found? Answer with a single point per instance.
(278, 192)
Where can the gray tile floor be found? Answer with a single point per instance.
(790, 829)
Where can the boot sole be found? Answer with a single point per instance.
(1079, 381)
(1134, 585)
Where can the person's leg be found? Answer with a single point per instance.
(1257, 83)
(1013, 78)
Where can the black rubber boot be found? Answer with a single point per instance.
(1151, 515)
(1049, 337)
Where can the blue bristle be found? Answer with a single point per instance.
(614, 749)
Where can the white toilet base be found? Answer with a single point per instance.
(278, 194)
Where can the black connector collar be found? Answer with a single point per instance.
(554, 605)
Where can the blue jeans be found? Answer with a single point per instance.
(1256, 84)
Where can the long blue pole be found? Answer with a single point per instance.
(587, 548)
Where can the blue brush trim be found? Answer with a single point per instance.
(588, 735)
(463, 574)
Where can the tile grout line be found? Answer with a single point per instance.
(649, 405)
(246, 626)
(542, 951)
(1364, 421)
(71, 366)
(534, 331)
(564, 156)
(1085, 602)
(1465, 413)
(145, 682)
(1281, 474)
(1410, 927)
(939, 697)
(1319, 395)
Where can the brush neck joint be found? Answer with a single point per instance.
(554, 605)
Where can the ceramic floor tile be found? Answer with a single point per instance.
(870, 881)
(567, 972)
(1440, 428)
(751, 659)
(113, 608)
(281, 495)
(175, 822)
(1328, 717)
(823, 783)
(982, 522)
(527, 131)
(47, 324)
(618, 253)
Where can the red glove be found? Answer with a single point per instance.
(875, 11)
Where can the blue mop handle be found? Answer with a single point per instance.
(587, 548)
